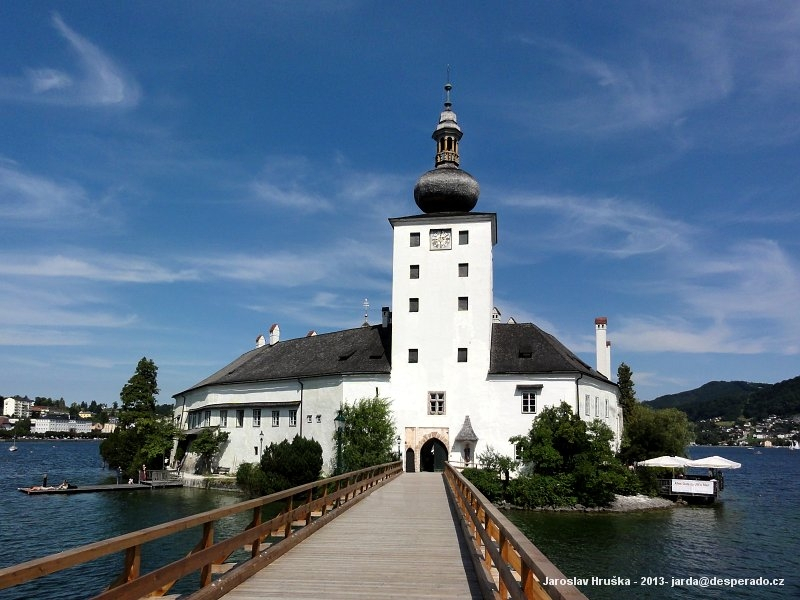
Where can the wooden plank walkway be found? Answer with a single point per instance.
(401, 541)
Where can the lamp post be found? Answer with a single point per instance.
(399, 456)
(261, 444)
(339, 422)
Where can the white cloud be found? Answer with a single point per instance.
(36, 200)
(734, 70)
(601, 225)
(682, 334)
(97, 80)
(341, 264)
(740, 300)
(301, 186)
(41, 336)
(126, 269)
(639, 88)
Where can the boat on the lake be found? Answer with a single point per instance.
(687, 486)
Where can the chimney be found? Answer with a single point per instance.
(603, 347)
(274, 334)
(386, 316)
(260, 341)
(495, 315)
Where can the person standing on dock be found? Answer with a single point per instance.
(44, 480)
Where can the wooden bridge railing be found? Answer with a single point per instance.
(507, 563)
(321, 501)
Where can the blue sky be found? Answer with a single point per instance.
(176, 177)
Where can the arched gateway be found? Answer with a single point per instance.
(432, 455)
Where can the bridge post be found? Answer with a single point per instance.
(206, 542)
(255, 523)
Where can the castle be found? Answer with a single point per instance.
(459, 380)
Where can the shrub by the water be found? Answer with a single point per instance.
(536, 491)
(251, 479)
(283, 466)
(291, 464)
(566, 462)
(487, 481)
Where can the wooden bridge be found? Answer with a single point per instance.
(377, 533)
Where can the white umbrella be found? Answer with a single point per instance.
(674, 462)
(714, 462)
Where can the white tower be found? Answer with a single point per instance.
(441, 301)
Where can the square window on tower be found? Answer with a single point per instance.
(413, 272)
(413, 305)
(463, 269)
(436, 403)
(413, 355)
(414, 239)
(463, 238)
(463, 303)
(462, 355)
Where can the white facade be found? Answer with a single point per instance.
(278, 410)
(60, 426)
(20, 409)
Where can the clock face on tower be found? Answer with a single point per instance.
(441, 239)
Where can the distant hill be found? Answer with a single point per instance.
(732, 399)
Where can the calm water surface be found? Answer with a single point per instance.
(754, 532)
(35, 526)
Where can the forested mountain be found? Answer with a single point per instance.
(732, 399)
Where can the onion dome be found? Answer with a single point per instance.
(446, 188)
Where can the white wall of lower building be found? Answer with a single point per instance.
(304, 407)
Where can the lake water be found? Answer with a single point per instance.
(35, 526)
(754, 532)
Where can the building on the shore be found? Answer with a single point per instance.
(459, 379)
(16, 407)
(60, 425)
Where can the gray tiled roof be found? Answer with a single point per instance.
(365, 350)
(523, 348)
(518, 348)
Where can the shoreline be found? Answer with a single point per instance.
(621, 504)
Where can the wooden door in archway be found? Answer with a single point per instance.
(410, 467)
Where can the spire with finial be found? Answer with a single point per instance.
(365, 304)
(447, 188)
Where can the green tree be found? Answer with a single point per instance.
(142, 436)
(138, 396)
(22, 427)
(492, 460)
(627, 395)
(570, 462)
(207, 445)
(368, 435)
(556, 437)
(650, 433)
(287, 465)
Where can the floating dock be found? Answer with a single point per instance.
(113, 487)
